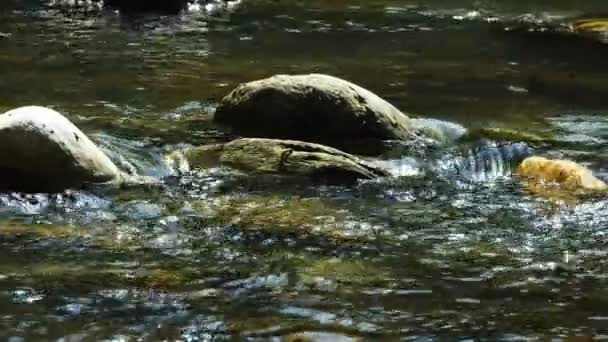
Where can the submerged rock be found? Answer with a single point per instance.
(543, 174)
(288, 157)
(443, 131)
(342, 271)
(286, 215)
(162, 6)
(318, 336)
(506, 135)
(42, 151)
(276, 215)
(315, 108)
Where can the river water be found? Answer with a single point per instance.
(218, 255)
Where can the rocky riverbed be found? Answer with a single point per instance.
(435, 237)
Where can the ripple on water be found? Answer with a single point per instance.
(427, 251)
(590, 130)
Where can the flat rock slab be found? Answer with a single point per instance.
(286, 157)
(42, 151)
(314, 108)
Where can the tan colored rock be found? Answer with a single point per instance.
(565, 174)
(592, 27)
(314, 108)
(41, 150)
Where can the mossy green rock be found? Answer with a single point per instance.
(315, 108)
(344, 271)
(506, 134)
(286, 157)
(273, 214)
(284, 215)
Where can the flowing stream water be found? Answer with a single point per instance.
(219, 255)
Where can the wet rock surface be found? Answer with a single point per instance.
(314, 108)
(285, 157)
(41, 150)
(566, 175)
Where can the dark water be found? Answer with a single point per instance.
(218, 255)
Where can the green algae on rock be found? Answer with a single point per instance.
(506, 135)
(283, 157)
(273, 214)
(314, 108)
(100, 276)
(345, 271)
(37, 231)
(319, 336)
(283, 217)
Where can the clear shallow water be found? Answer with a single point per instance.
(221, 255)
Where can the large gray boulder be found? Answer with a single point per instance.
(314, 108)
(42, 151)
(281, 157)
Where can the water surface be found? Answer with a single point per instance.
(219, 255)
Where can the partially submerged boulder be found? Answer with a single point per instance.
(314, 108)
(507, 135)
(439, 130)
(42, 151)
(288, 157)
(543, 173)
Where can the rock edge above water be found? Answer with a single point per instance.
(286, 157)
(314, 108)
(43, 151)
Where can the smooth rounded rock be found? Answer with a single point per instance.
(314, 108)
(42, 151)
(565, 174)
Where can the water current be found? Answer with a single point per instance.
(218, 255)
